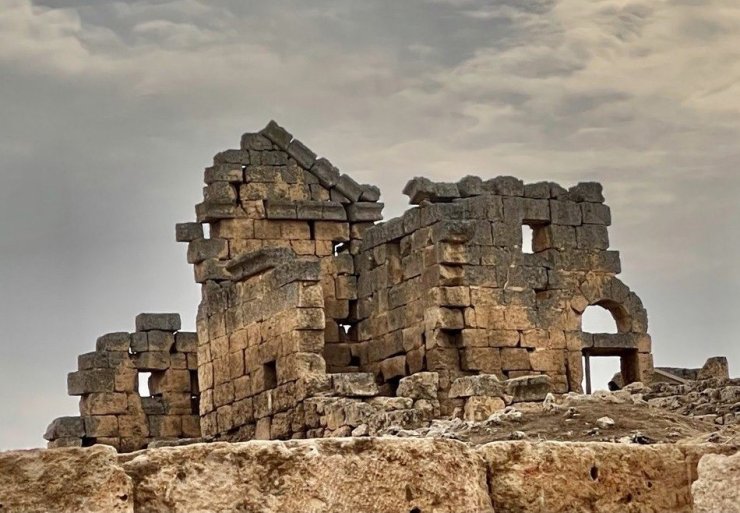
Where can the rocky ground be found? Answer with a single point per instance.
(603, 417)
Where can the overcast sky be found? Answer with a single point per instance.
(110, 110)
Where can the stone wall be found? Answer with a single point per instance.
(113, 410)
(446, 287)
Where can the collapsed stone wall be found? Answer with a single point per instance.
(112, 410)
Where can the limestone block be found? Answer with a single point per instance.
(327, 174)
(554, 236)
(350, 189)
(422, 385)
(103, 404)
(393, 367)
(165, 426)
(152, 360)
(101, 426)
(158, 321)
(186, 232)
(370, 193)
(64, 481)
(391, 403)
(89, 381)
(556, 477)
(133, 426)
(592, 236)
(515, 358)
(65, 427)
(300, 152)
(718, 486)
(219, 193)
(505, 186)
(171, 380)
(255, 142)
(548, 360)
(160, 340)
(470, 186)
(354, 384)
(587, 191)
(277, 135)
(483, 359)
(231, 157)
(539, 190)
(341, 475)
(565, 212)
(528, 388)
(186, 342)
(364, 211)
(479, 407)
(118, 341)
(596, 213)
(481, 385)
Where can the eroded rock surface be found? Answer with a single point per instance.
(718, 486)
(379, 475)
(64, 480)
(552, 477)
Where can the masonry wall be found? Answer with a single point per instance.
(113, 410)
(447, 287)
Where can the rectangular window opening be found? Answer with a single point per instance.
(270, 372)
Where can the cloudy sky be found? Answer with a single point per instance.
(110, 111)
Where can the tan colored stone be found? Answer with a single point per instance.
(479, 407)
(718, 486)
(64, 480)
(554, 477)
(331, 475)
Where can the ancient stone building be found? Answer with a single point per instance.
(299, 281)
(317, 319)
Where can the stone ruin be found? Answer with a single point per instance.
(319, 320)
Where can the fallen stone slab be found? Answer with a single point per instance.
(327, 475)
(64, 480)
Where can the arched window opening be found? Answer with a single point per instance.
(598, 319)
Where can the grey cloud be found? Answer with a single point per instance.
(115, 107)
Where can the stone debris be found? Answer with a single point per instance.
(605, 422)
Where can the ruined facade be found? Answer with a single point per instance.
(113, 410)
(318, 320)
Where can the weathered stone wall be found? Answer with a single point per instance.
(445, 288)
(255, 376)
(112, 410)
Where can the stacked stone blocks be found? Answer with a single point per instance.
(112, 408)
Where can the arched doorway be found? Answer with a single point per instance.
(607, 323)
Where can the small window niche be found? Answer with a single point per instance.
(143, 384)
(270, 372)
(527, 239)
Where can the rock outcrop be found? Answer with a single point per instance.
(375, 475)
(323, 475)
(718, 486)
(64, 480)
